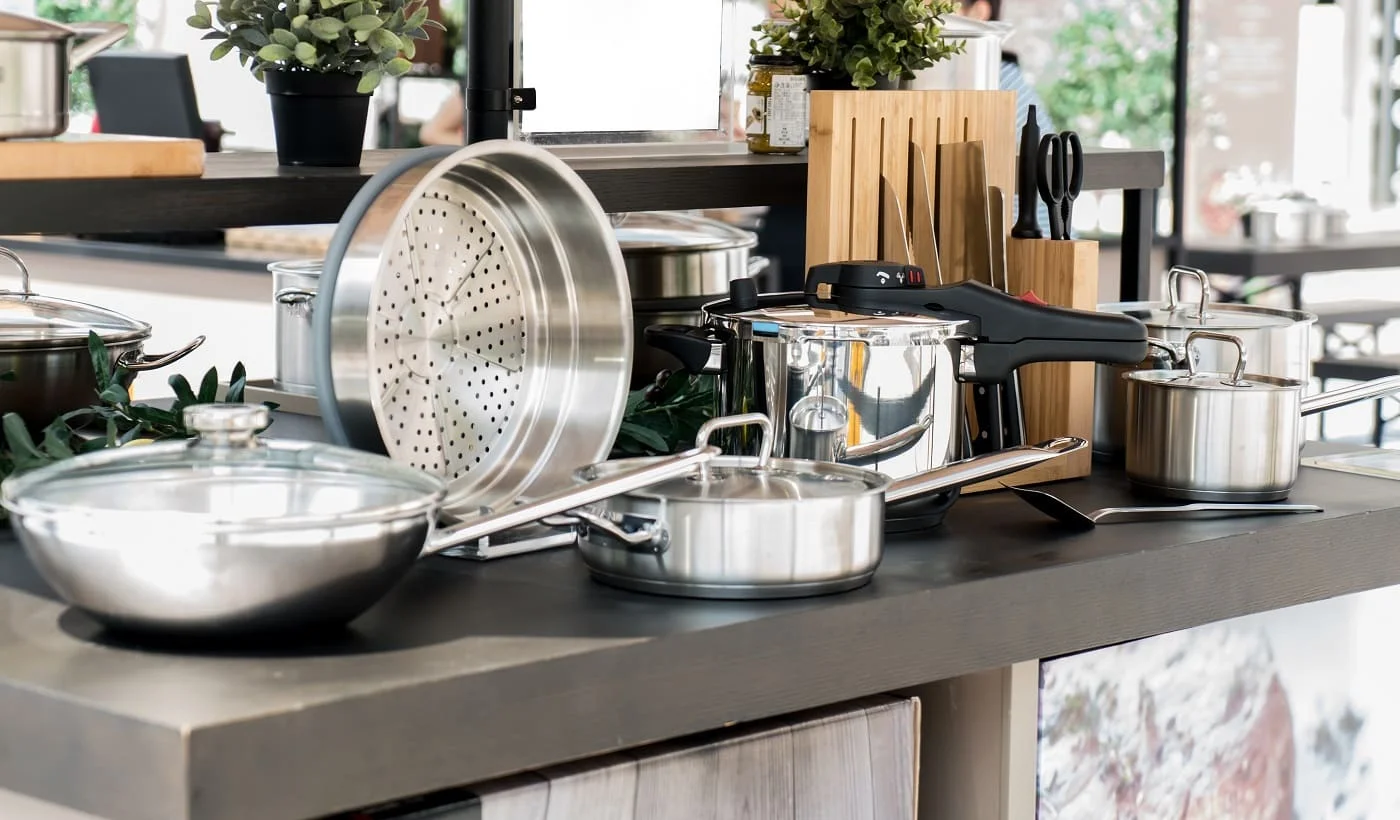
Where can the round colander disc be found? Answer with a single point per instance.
(480, 323)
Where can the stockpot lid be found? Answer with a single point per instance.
(660, 232)
(1193, 379)
(1202, 313)
(796, 320)
(19, 27)
(28, 320)
(227, 479)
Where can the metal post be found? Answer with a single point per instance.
(1180, 78)
(1139, 229)
(489, 39)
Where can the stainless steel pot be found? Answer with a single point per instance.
(763, 527)
(1279, 344)
(36, 57)
(294, 286)
(44, 346)
(976, 68)
(231, 534)
(676, 263)
(878, 388)
(1235, 437)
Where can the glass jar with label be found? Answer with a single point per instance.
(776, 119)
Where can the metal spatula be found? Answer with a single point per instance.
(1061, 511)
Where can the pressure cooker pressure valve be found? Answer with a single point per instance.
(865, 275)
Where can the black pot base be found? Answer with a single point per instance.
(919, 513)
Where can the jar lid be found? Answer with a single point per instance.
(659, 232)
(28, 320)
(228, 479)
(20, 27)
(772, 59)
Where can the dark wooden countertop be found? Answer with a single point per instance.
(246, 189)
(469, 670)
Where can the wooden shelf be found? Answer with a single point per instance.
(246, 189)
(1356, 252)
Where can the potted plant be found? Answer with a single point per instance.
(320, 60)
(859, 43)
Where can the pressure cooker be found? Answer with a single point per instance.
(676, 263)
(865, 366)
(36, 57)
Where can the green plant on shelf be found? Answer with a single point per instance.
(86, 11)
(863, 41)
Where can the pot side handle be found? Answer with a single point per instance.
(699, 349)
(100, 37)
(136, 361)
(1011, 331)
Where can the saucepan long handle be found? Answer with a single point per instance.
(571, 498)
(1332, 399)
(981, 468)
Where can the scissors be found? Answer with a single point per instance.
(1060, 178)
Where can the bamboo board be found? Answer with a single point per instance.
(100, 156)
(1058, 397)
(858, 136)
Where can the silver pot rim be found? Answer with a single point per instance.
(688, 234)
(799, 321)
(823, 472)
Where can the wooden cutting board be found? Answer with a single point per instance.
(100, 156)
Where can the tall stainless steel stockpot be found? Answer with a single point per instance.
(36, 57)
(865, 367)
(1279, 344)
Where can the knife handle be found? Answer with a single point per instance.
(1027, 223)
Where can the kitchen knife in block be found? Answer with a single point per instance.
(956, 212)
(1057, 398)
(922, 227)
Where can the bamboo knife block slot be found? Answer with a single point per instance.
(1057, 398)
(859, 136)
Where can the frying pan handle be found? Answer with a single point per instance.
(1373, 389)
(101, 36)
(136, 361)
(570, 498)
(981, 468)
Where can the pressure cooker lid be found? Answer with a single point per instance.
(229, 479)
(667, 232)
(28, 320)
(740, 479)
(800, 320)
(19, 27)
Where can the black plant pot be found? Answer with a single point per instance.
(319, 118)
(829, 81)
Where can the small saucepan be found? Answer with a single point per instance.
(1204, 436)
(763, 527)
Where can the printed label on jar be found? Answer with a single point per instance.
(756, 122)
(787, 112)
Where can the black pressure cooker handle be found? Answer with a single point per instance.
(693, 346)
(1011, 332)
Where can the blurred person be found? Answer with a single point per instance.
(445, 128)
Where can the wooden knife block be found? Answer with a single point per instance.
(1057, 397)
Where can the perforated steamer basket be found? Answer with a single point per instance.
(478, 324)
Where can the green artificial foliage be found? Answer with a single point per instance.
(85, 11)
(863, 40)
(1112, 73)
(664, 417)
(371, 38)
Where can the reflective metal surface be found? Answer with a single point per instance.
(294, 286)
(877, 391)
(977, 68)
(1279, 344)
(44, 344)
(478, 323)
(677, 256)
(1204, 436)
(230, 534)
(35, 59)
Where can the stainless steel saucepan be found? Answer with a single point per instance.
(230, 533)
(760, 526)
(1236, 437)
(36, 57)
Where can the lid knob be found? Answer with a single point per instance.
(229, 424)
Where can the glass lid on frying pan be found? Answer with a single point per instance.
(28, 320)
(229, 477)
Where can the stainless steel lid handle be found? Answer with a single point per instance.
(23, 271)
(1240, 364)
(227, 425)
(765, 447)
(1173, 275)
